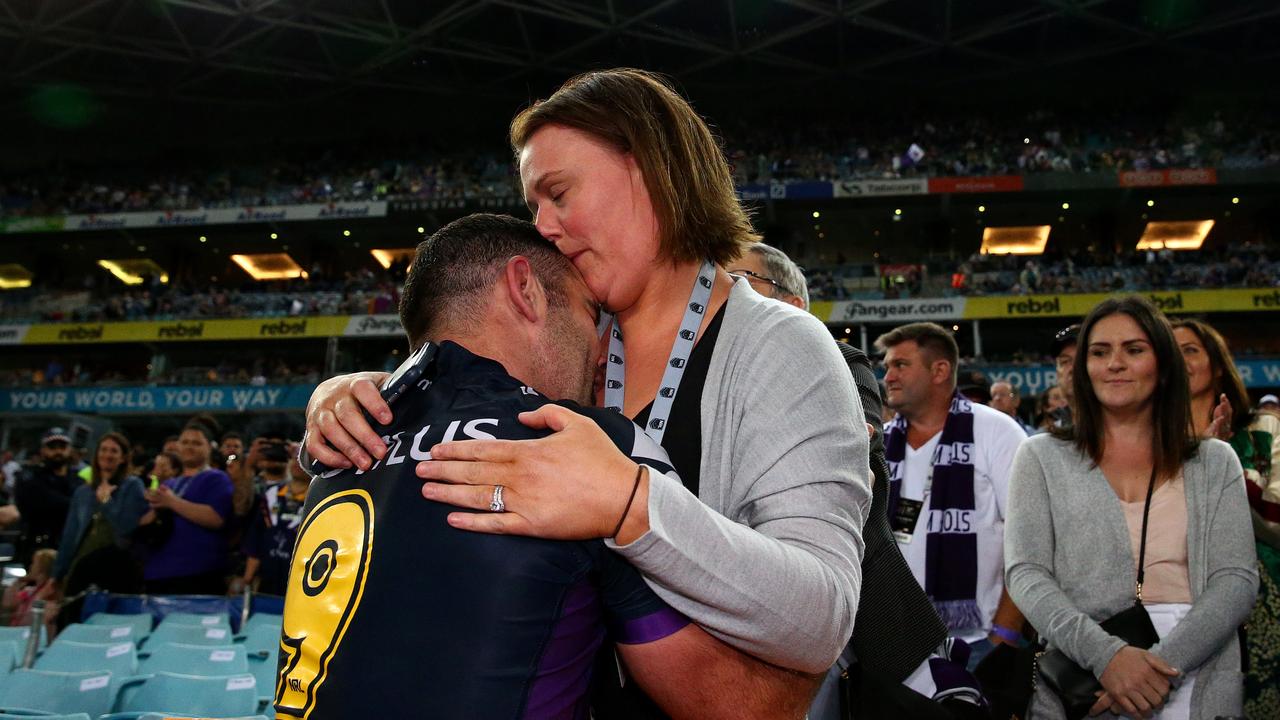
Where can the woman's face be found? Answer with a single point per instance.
(1200, 375)
(591, 201)
(1121, 363)
(109, 457)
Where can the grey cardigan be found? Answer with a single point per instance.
(1069, 564)
(767, 557)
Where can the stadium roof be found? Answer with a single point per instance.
(280, 51)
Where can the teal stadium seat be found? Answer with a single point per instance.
(58, 692)
(202, 619)
(211, 635)
(19, 635)
(141, 622)
(162, 716)
(10, 656)
(99, 634)
(263, 638)
(121, 659)
(262, 620)
(202, 660)
(164, 692)
(265, 666)
(46, 716)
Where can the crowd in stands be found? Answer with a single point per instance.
(250, 368)
(869, 146)
(356, 292)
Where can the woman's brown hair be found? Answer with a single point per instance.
(1226, 378)
(684, 169)
(122, 471)
(1173, 441)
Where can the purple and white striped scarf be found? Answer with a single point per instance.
(951, 555)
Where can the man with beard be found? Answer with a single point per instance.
(43, 494)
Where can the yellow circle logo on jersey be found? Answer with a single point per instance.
(326, 581)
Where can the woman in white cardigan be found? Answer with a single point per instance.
(1075, 514)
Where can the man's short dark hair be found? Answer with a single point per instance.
(233, 435)
(932, 338)
(463, 258)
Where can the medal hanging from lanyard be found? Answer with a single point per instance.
(681, 348)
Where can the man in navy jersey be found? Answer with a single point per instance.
(392, 613)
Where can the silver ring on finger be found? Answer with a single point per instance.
(496, 504)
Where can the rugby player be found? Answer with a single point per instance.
(392, 613)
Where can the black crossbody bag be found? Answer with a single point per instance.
(1077, 687)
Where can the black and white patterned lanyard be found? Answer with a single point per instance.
(681, 348)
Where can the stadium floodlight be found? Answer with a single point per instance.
(133, 271)
(1019, 240)
(1175, 235)
(387, 257)
(13, 277)
(269, 266)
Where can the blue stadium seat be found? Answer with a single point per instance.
(100, 634)
(202, 660)
(121, 659)
(189, 635)
(141, 622)
(201, 619)
(164, 692)
(58, 692)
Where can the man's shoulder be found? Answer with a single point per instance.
(991, 422)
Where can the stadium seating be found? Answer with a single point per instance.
(201, 619)
(263, 638)
(58, 692)
(167, 716)
(202, 660)
(99, 634)
(141, 622)
(225, 696)
(262, 620)
(189, 635)
(19, 636)
(45, 716)
(120, 659)
(10, 655)
(264, 667)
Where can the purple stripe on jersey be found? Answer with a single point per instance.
(653, 626)
(559, 688)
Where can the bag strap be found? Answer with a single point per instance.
(1142, 546)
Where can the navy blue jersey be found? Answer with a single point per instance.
(392, 613)
(272, 530)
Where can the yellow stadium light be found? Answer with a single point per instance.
(269, 266)
(1235, 201)
(897, 211)
(346, 233)
(132, 271)
(274, 236)
(387, 257)
(1180, 235)
(816, 214)
(1066, 206)
(13, 277)
(421, 229)
(204, 239)
(1022, 240)
(1151, 203)
(982, 208)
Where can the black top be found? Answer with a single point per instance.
(683, 439)
(270, 535)
(392, 613)
(683, 443)
(898, 627)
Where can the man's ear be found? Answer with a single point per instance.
(524, 292)
(793, 300)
